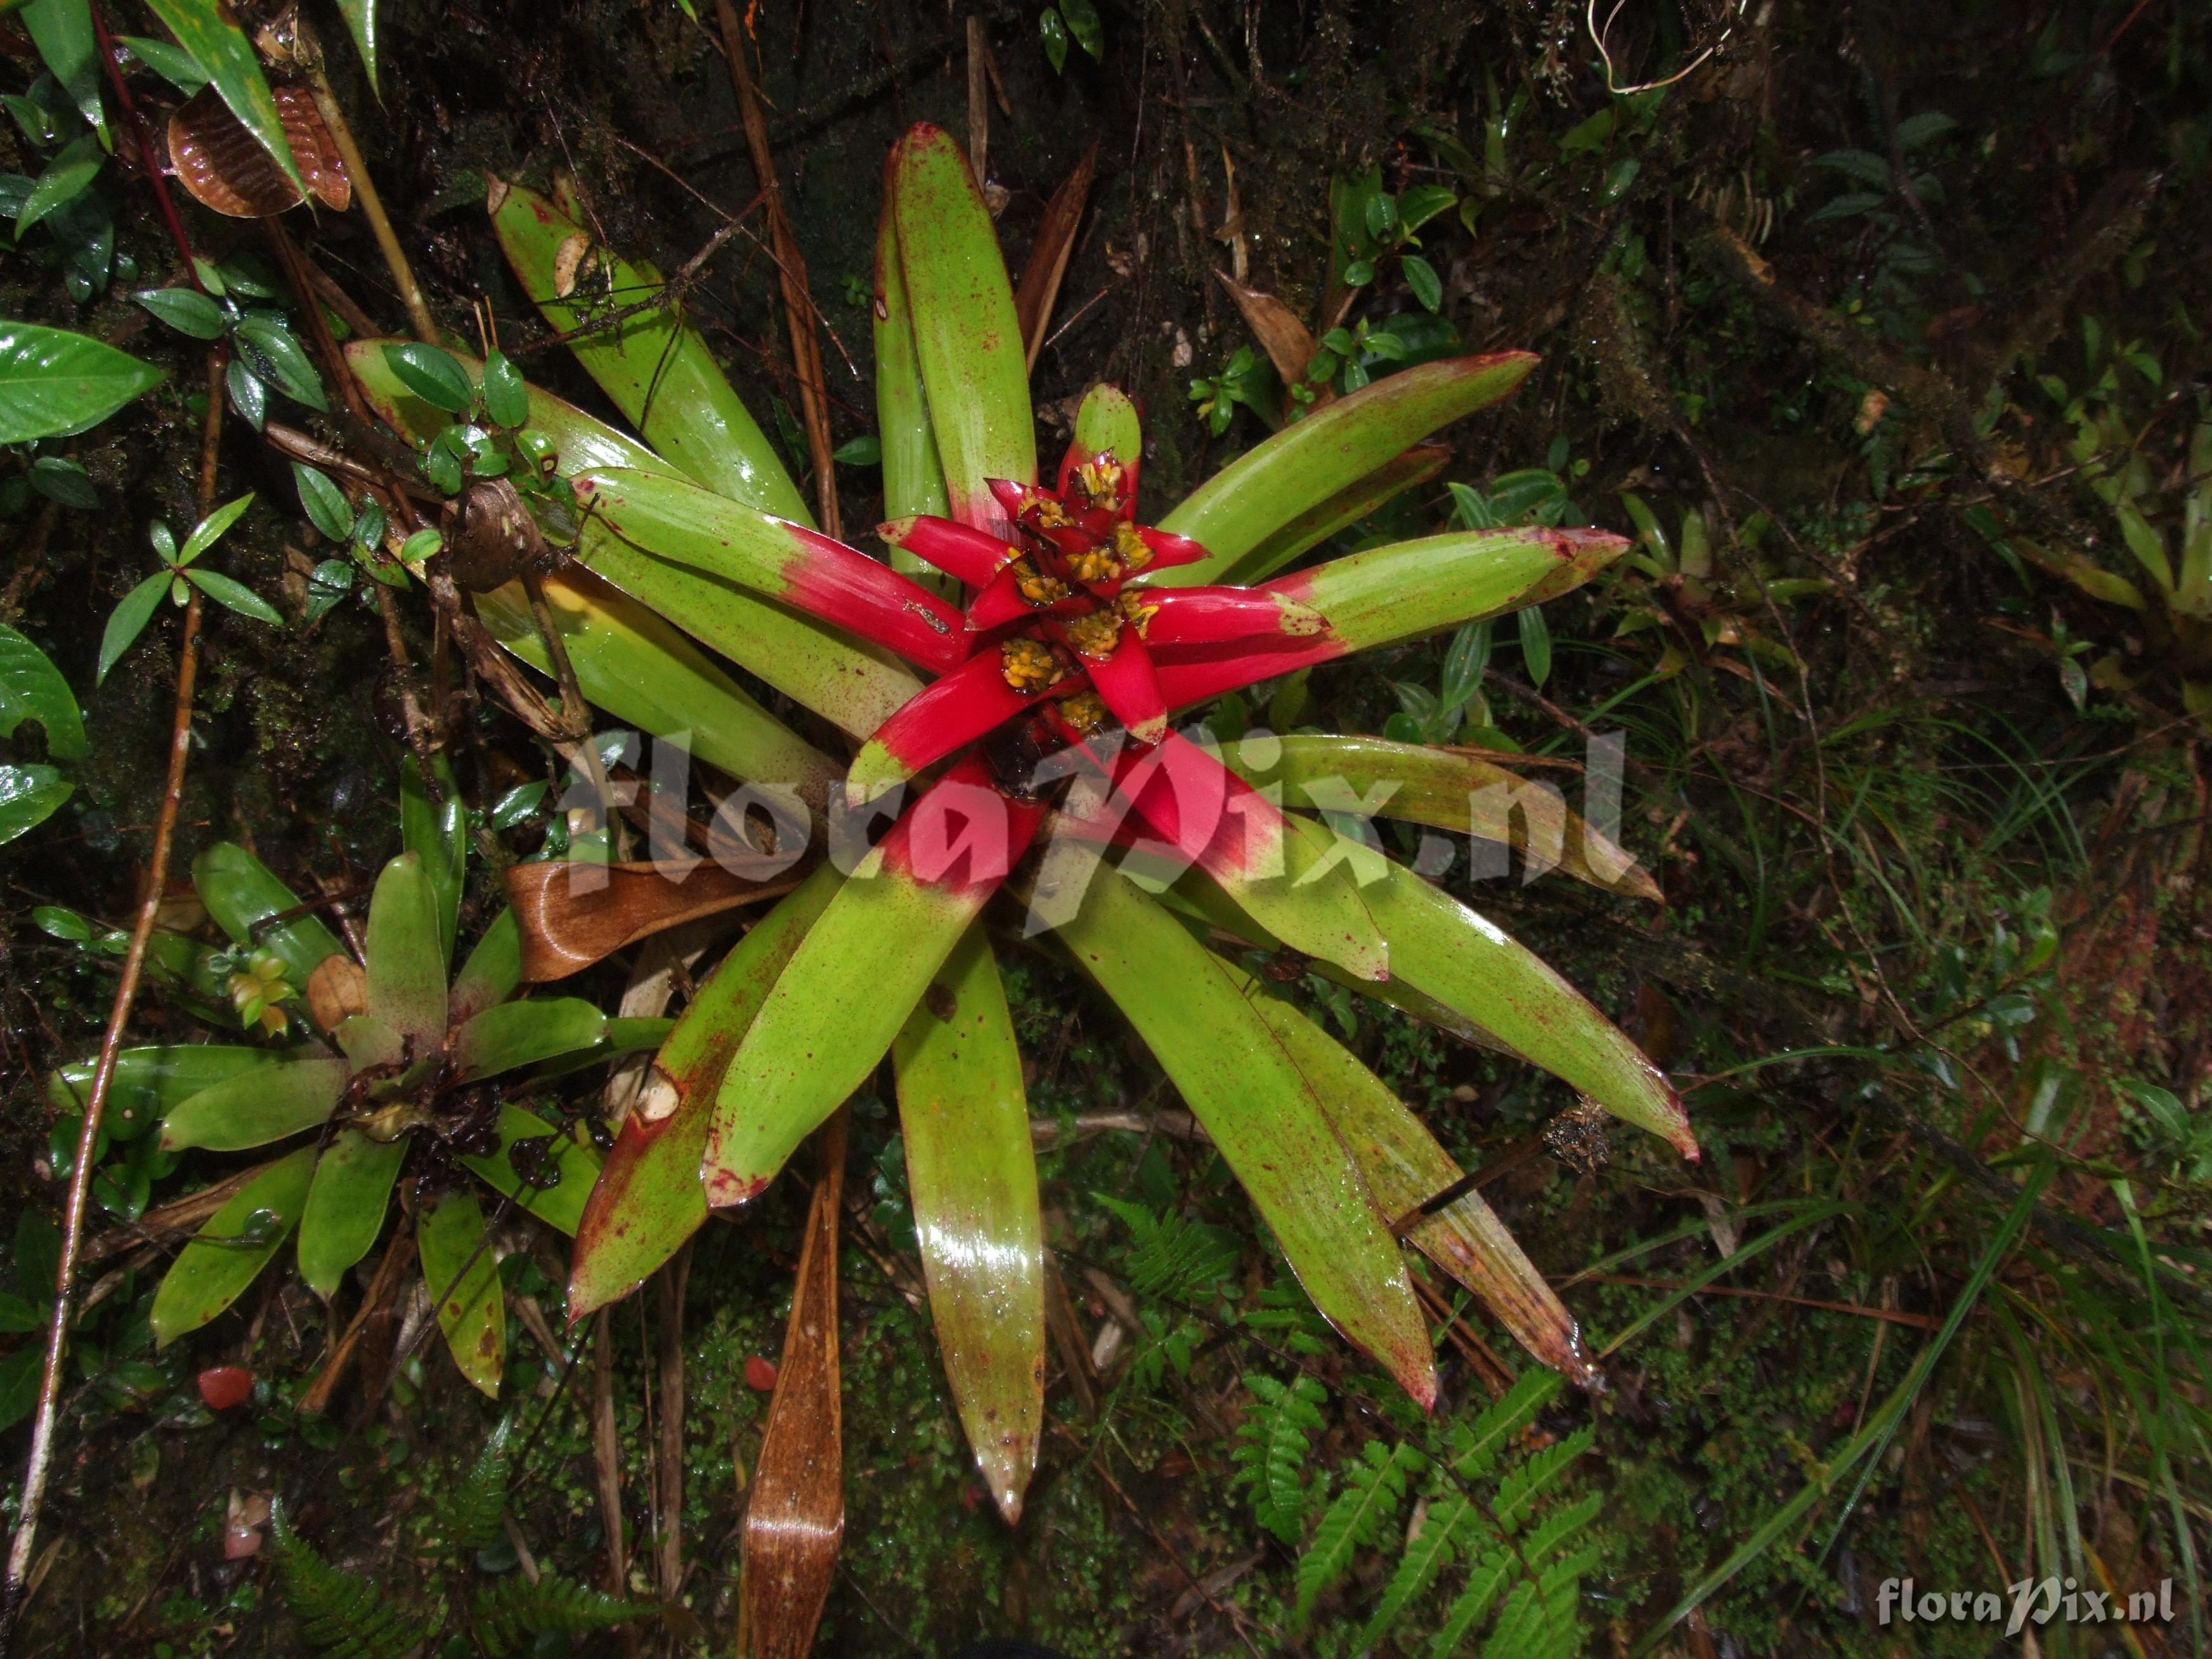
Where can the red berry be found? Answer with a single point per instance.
(224, 1386)
(760, 1374)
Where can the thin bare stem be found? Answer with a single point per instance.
(40, 1465)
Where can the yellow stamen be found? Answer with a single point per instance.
(1095, 634)
(1035, 585)
(1130, 546)
(1139, 613)
(1086, 711)
(1028, 664)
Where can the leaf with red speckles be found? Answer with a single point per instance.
(961, 550)
(649, 1198)
(1262, 1113)
(463, 1275)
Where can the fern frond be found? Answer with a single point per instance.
(1519, 1489)
(1476, 1447)
(1171, 1258)
(1483, 1584)
(1448, 1525)
(1288, 1313)
(1374, 1487)
(1523, 1629)
(1560, 1589)
(473, 1512)
(1272, 1452)
(342, 1616)
(506, 1613)
(1558, 1528)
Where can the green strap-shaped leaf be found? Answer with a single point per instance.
(654, 365)
(361, 18)
(966, 335)
(1405, 1167)
(253, 1108)
(1446, 951)
(62, 30)
(369, 1044)
(913, 478)
(650, 1198)
(204, 28)
(346, 1202)
(458, 1267)
(517, 1034)
(53, 383)
(241, 894)
(491, 972)
(1240, 1082)
(406, 961)
(849, 986)
(633, 665)
(149, 1082)
(559, 1176)
(437, 832)
(1338, 513)
(972, 1174)
(1106, 421)
(230, 1251)
(1456, 793)
(1311, 460)
(1407, 589)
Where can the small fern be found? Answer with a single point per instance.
(342, 1616)
(506, 1614)
(1481, 1504)
(472, 1514)
(1171, 1258)
(1272, 1452)
(1288, 1315)
(1374, 1491)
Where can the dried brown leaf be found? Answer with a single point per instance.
(573, 914)
(1287, 342)
(1048, 260)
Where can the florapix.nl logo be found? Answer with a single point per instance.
(2029, 1602)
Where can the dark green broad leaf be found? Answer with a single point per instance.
(21, 1373)
(149, 1082)
(345, 1207)
(361, 18)
(406, 961)
(268, 347)
(235, 596)
(53, 383)
(517, 1034)
(463, 1279)
(326, 504)
(434, 376)
(219, 46)
(33, 688)
(249, 393)
(436, 830)
(66, 483)
(1083, 23)
(550, 1177)
(69, 47)
(29, 795)
(169, 61)
(243, 897)
(1052, 28)
(506, 399)
(230, 1251)
(186, 310)
(255, 1106)
(128, 620)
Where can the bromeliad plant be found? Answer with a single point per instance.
(397, 1090)
(1046, 692)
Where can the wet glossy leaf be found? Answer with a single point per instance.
(33, 688)
(345, 1207)
(326, 504)
(242, 895)
(235, 596)
(406, 957)
(913, 478)
(53, 383)
(69, 46)
(210, 530)
(972, 1175)
(555, 1177)
(1421, 277)
(361, 18)
(66, 483)
(230, 1251)
(458, 1267)
(168, 60)
(491, 971)
(150, 1081)
(505, 398)
(249, 393)
(1263, 1115)
(1083, 23)
(1535, 644)
(219, 46)
(66, 178)
(1052, 29)
(650, 1198)
(253, 1108)
(29, 795)
(432, 374)
(267, 347)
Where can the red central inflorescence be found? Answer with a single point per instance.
(1057, 628)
